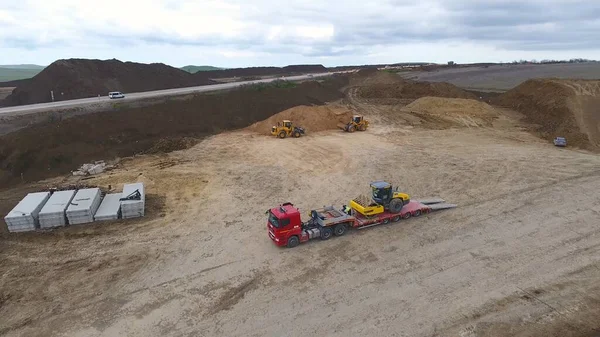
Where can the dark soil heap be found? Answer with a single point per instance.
(557, 107)
(46, 150)
(81, 78)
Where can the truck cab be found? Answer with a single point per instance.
(284, 224)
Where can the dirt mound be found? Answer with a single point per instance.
(398, 88)
(312, 118)
(448, 112)
(263, 71)
(52, 148)
(81, 78)
(567, 108)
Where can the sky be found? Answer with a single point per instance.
(244, 33)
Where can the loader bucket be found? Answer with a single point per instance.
(342, 126)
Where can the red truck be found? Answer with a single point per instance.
(286, 227)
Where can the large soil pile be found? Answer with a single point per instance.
(449, 112)
(568, 108)
(45, 150)
(371, 77)
(81, 78)
(398, 88)
(312, 118)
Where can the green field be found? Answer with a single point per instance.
(195, 69)
(18, 72)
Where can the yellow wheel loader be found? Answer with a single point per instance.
(358, 122)
(285, 128)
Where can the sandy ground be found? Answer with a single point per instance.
(519, 257)
(505, 77)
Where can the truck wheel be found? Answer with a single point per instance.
(282, 134)
(396, 205)
(340, 229)
(293, 242)
(326, 233)
(296, 134)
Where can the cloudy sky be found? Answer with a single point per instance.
(233, 33)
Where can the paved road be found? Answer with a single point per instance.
(135, 96)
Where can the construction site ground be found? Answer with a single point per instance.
(520, 256)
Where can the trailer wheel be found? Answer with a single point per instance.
(293, 241)
(417, 212)
(340, 229)
(407, 215)
(396, 218)
(326, 233)
(386, 221)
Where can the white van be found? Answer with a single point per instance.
(115, 94)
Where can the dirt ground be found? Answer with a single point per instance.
(505, 77)
(518, 257)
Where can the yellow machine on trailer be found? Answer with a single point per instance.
(384, 198)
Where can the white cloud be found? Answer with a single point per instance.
(261, 32)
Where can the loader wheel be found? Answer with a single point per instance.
(362, 128)
(293, 242)
(396, 205)
(282, 134)
(296, 134)
(326, 233)
(340, 229)
(351, 128)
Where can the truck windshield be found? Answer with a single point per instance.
(273, 220)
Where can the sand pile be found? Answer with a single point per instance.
(567, 108)
(312, 118)
(448, 112)
(412, 89)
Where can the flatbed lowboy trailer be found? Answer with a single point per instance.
(287, 229)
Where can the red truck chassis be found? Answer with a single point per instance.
(286, 228)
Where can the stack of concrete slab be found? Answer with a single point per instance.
(24, 217)
(53, 213)
(133, 208)
(110, 208)
(84, 205)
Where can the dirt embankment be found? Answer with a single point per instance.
(262, 71)
(46, 150)
(439, 112)
(312, 118)
(81, 78)
(567, 108)
(386, 85)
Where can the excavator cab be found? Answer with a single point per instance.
(389, 198)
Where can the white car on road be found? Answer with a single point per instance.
(115, 94)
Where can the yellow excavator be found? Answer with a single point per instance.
(358, 122)
(384, 198)
(285, 128)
